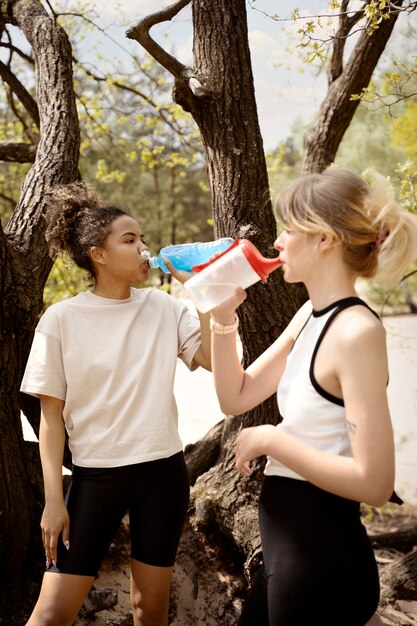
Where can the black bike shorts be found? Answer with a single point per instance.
(155, 494)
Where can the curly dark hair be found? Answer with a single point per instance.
(77, 220)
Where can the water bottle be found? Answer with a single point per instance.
(185, 256)
(240, 265)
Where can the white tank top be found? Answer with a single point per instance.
(310, 414)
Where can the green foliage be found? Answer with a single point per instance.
(404, 133)
(284, 162)
(65, 280)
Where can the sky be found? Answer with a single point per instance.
(287, 91)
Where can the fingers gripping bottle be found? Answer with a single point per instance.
(186, 255)
(240, 265)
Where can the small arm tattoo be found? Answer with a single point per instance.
(351, 427)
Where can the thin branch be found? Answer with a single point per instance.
(96, 26)
(346, 24)
(49, 5)
(160, 111)
(27, 131)
(412, 6)
(140, 32)
(9, 200)
(23, 55)
(21, 92)
(409, 274)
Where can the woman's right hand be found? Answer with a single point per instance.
(224, 313)
(55, 521)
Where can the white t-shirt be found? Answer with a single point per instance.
(113, 363)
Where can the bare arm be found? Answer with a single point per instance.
(55, 518)
(239, 390)
(203, 355)
(361, 367)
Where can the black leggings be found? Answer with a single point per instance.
(319, 566)
(154, 493)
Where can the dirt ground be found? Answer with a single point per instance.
(115, 575)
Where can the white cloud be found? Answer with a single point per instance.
(132, 10)
(268, 49)
(184, 51)
(280, 105)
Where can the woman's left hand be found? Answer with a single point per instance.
(251, 443)
(180, 275)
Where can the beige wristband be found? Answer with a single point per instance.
(224, 329)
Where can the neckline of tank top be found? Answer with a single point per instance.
(349, 301)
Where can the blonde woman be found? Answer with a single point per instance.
(334, 447)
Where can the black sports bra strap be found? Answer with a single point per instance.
(347, 302)
(338, 307)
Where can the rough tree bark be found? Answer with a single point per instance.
(24, 267)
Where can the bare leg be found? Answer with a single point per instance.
(60, 599)
(149, 593)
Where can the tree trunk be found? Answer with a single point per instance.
(337, 109)
(25, 265)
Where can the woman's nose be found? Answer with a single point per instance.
(278, 243)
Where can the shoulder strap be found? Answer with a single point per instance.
(339, 306)
(351, 301)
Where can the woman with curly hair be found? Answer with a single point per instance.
(103, 365)
(334, 447)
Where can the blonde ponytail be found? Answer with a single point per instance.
(396, 232)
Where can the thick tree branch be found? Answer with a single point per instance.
(346, 24)
(338, 107)
(58, 150)
(20, 91)
(17, 152)
(140, 32)
(16, 50)
(187, 84)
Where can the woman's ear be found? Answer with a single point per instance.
(327, 241)
(97, 255)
